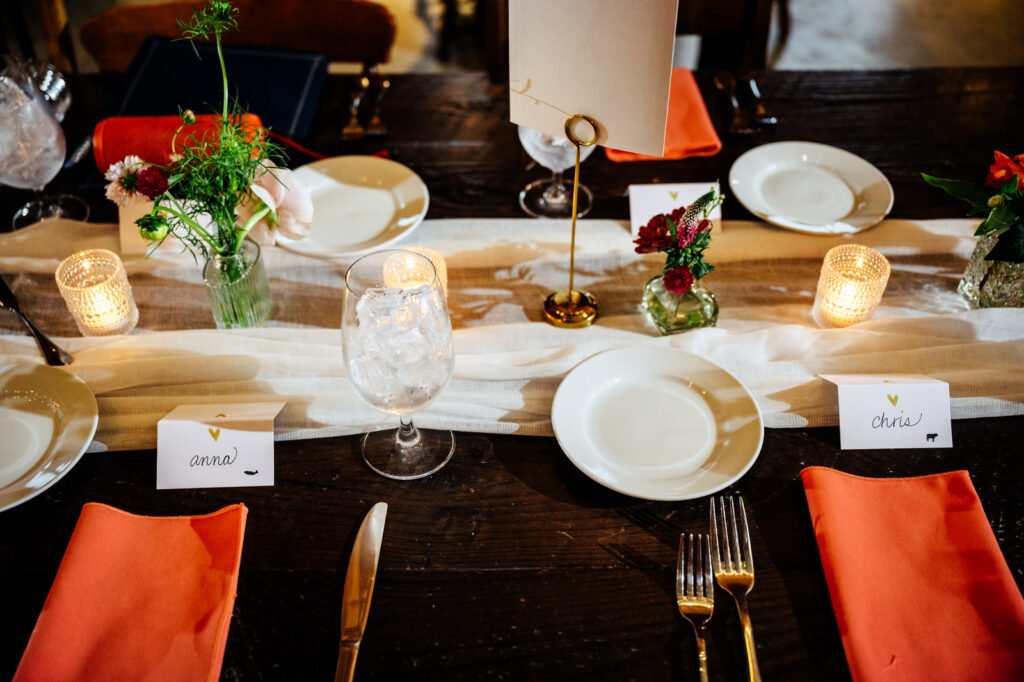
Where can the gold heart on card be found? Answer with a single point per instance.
(214, 433)
(674, 195)
(220, 415)
(893, 398)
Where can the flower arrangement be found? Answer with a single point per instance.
(682, 235)
(220, 187)
(1003, 208)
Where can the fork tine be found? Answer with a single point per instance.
(691, 586)
(709, 580)
(735, 535)
(715, 555)
(748, 555)
(680, 585)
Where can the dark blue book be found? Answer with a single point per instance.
(282, 87)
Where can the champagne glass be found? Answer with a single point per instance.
(32, 144)
(552, 197)
(397, 342)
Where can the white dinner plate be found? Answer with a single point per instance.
(47, 419)
(811, 188)
(657, 423)
(360, 203)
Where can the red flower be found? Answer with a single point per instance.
(999, 172)
(704, 225)
(653, 236)
(151, 181)
(678, 280)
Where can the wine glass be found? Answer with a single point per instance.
(552, 197)
(397, 342)
(32, 144)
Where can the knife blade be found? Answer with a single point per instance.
(359, 580)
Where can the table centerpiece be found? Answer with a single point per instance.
(994, 276)
(675, 300)
(222, 195)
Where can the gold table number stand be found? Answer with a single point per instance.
(569, 308)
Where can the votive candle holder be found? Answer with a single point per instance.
(405, 272)
(850, 286)
(95, 287)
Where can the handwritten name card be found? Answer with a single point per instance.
(902, 411)
(216, 446)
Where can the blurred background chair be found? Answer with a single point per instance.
(344, 30)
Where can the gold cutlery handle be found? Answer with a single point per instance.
(346, 662)
(702, 654)
(748, 637)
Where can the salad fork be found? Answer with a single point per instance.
(734, 568)
(695, 590)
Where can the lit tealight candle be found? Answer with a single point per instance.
(850, 287)
(95, 287)
(404, 271)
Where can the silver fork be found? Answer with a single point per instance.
(734, 568)
(695, 590)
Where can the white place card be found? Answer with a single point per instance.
(216, 446)
(608, 59)
(893, 411)
(647, 201)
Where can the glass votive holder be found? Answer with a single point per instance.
(405, 271)
(850, 287)
(95, 287)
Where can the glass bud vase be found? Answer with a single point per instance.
(992, 283)
(674, 313)
(238, 288)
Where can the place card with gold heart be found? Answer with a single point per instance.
(892, 411)
(216, 446)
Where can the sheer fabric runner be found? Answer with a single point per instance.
(509, 362)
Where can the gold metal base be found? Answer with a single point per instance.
(570, 312)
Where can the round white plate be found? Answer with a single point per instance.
(811, 188)
(360, 203)
(47, 419)
(657, 423)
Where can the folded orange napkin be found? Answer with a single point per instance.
(918, 584)
(688, 131)
(139, 598)
(149, 137)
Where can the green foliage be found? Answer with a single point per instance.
(210, 21)
(1003, 211)
(1010, 246)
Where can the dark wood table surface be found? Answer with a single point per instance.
(510, 563)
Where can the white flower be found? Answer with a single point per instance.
(121, 188)
(291, 207)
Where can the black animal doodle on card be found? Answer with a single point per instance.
(931, 436)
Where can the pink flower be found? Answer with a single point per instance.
(678, 280)
(291, 207)
(123, 176)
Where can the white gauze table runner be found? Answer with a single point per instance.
(509, 363)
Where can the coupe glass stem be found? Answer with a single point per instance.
(555, 193)
(408, 434)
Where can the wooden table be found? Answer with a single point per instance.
(510, 563)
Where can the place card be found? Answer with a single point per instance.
(892, 411)
(216, 446)
(647, 201)
(606, 59)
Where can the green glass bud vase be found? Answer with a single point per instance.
(238, 288)
(674, 313)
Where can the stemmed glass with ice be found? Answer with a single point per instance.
(32, 145)
(397, 342)
(552, 197)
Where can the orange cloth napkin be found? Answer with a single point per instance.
(918, 584)
(139, 598)
(688, 131)
(149, 137)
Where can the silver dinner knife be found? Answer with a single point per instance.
(355, 604)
